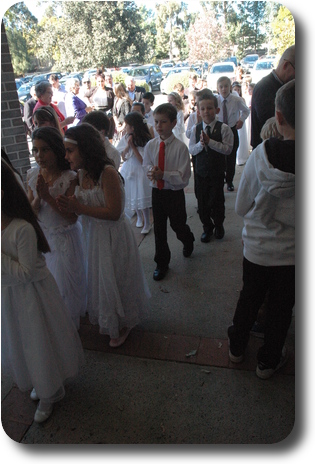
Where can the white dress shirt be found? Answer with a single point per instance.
(236, 109)
(177, 169)
(225, 147)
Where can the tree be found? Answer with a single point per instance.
(245, 23)
(212, 45)
(100, 34)
(21, 27)
(283, 30)
(172, 23)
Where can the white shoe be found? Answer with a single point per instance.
(33, 395)
(139, 223)
(236, 359)
(146, 230)
(44, 414)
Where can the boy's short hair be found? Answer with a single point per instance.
(202, 92)
(207, 96)
(141, 105)
(98, 119)
(168, 110)
(149, 96)
(285, 102)
(223, 79)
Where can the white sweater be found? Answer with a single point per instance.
(266, 201)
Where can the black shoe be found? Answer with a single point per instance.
(219, 232)
(188, 249)
(160, 273)
(206, 236)
(230, 187)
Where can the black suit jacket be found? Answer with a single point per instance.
(139, 91)
(28, 113)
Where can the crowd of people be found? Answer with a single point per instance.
(103, 151)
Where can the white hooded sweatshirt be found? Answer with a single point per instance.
(266, 201)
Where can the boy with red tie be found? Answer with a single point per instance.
(167, 162)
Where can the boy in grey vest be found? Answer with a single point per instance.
(210, 141)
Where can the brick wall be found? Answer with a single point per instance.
(13, 137)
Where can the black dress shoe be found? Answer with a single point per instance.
(206, 236)
(230, 187)
(188, 249)
(219, 232)
(160, 273)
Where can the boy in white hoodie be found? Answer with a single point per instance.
(265, 199)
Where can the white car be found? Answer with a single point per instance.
(226, 68)
(261, 69)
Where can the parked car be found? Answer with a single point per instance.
(248, 62)
(166, 67)
(43, 77)
(149, 73)
(164, 83)
(261, 69)
(78, 75)
(24, 92)
(218, 70)
(233, 59)
(18, 83)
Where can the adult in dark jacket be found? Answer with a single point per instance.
(28, 110)
(135, 92)
(264, 94)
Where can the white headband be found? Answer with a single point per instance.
(70, 141)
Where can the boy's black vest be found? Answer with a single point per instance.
(210, 163)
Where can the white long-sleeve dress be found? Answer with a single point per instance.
(40, 345)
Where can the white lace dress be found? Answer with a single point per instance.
(66, 261)
(138, 192)
(40, 345)
(118, 294)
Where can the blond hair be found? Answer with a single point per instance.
(178, 100)
(269, 129)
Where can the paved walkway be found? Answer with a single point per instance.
(172, 381)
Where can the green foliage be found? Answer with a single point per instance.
(283, 30)
(177, 78)
(77, 35)
(119, 76)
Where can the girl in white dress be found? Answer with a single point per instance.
(40, 346)
(137, 186)
(179, 130)
(51, 178)
(242, 153)
(118, 295)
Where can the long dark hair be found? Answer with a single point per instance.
(47, 114)
(91, 148)
(141, 134)
(15, 204)
(53, 138)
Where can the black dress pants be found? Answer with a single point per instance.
(211, 202)
(257, 280)
(169, 204)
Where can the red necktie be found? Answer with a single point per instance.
(160, 182)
